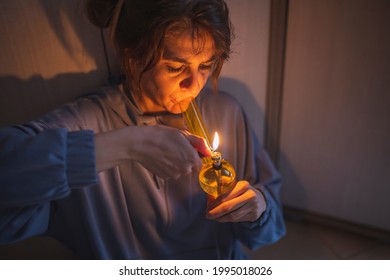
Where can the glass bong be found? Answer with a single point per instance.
(217, 175)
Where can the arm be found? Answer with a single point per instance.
(157, 148)
(42, 161)
(253, 206)
(36, 168)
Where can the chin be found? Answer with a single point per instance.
(177, 109)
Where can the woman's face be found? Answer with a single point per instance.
(179, 75)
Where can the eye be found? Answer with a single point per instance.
(175, 70)
(206, 67)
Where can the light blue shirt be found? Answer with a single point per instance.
(48, 185)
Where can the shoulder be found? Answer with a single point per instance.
(93, 110)
(107, 96)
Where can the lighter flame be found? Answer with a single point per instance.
(215, 142)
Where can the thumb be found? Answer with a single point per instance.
(199, 144)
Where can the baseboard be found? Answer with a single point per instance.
(305, 216)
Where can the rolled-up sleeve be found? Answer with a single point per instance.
(37, 168)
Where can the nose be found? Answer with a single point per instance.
(191, 83)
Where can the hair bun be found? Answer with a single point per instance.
(100, 12)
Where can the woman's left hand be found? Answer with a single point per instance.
(244, 203)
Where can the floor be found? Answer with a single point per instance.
(309, 241)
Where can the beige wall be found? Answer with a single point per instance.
(49, 55)
(335, 133)
(244, 76)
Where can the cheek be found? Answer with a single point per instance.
(204, 78)
(168, 89)
(149, 83)
(157, 86)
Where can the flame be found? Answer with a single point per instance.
(215, 142)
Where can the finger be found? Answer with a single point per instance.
(229, 206)
(242, 214)
(249, 198)
(247, 212)
(239, 189)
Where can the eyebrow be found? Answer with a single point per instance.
(172, 57)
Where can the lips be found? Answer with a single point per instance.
(183, 103)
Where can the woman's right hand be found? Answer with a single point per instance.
(165, 151)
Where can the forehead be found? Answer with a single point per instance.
(186, 43)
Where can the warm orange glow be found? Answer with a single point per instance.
(215, 142)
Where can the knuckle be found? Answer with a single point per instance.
(252, 195)
(235, 217)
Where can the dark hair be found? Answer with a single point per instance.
(138, 29)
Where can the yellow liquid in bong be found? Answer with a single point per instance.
(208, 179)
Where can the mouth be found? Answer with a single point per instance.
(183, 103)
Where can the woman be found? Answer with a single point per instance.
(145, 202)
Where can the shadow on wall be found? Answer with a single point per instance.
(75, 12)
(25, 100)
(76, 20)
(256, 118)
(300, 194)
(245, 98)
(51, 55)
